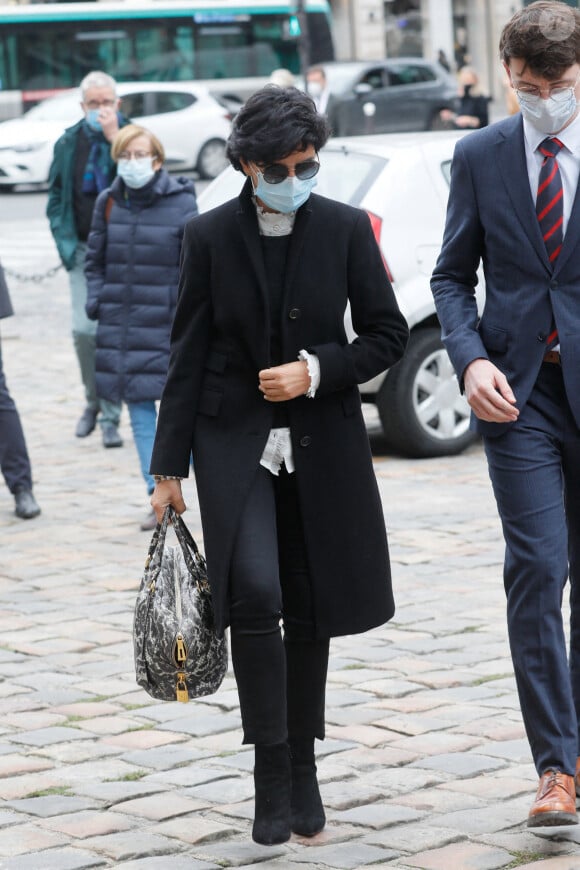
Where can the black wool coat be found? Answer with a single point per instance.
(6, 309)
(211, 403)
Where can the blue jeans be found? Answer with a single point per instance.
(143, 416)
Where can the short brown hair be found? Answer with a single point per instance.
(546, 35)
(126, 135)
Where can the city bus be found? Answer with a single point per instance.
(47, 47)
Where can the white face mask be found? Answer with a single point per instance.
(136, 173)
(551, 115)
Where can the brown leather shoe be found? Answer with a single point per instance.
(577, 777)
(555, 802)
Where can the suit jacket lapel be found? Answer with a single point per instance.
(248, 223)
(514, 171)
(572, 237)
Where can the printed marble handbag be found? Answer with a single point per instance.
(178, 655)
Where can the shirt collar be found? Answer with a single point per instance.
(569, 136)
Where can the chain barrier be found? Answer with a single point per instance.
(36, 278)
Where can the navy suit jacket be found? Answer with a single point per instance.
(491, 219)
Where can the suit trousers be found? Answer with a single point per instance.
(535, 472)
(14, 460)
(281, 680)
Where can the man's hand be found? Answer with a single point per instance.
(167, 492)
(109, 122)
(284, 382)
(488, 393)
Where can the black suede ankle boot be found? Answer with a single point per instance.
(307, 813)
(272, 783)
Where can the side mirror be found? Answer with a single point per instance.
(362, 89)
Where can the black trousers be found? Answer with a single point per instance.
(281, 679)
(14, 461)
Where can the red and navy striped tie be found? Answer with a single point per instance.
(550, 208)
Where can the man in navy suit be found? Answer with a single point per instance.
(514, 206)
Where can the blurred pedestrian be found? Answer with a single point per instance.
(282, 77)
(317, 88)
(132, 268)
(443, 60)
(519, 363)
(472, 106)
(81, 168)
(14, 458)
(262, 386)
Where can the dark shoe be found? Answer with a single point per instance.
(87, 422)
(25, 505)
(577, 777)
(555, 802)
(307, 812)
(150, 522)
(272, 782)
(111, 437)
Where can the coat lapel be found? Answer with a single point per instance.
(296, 243)
(514, 171)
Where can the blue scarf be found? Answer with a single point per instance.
(99, 168)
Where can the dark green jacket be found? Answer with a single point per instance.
(59, 209)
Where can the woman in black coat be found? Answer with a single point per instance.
(262, 386)
(132, 269)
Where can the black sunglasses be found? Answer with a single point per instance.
(277, 172)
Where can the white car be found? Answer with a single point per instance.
(402, 181)
(191, 124)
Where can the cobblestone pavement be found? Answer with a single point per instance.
(425, 764)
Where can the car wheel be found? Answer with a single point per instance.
(420, 405)
(212, 158)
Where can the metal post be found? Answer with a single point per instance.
(303, 40)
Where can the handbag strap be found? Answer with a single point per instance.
(193, 558)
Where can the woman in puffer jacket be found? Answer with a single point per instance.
(132, 268)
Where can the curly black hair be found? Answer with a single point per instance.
(272, 124)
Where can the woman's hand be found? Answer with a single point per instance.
(167, 492)
(288, 381)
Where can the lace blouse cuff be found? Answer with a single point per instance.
(313, 365)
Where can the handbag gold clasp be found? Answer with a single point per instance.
(181, 692)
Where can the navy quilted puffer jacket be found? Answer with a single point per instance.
(132, 270)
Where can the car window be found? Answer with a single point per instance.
(410, 74)
(134, 105)
(375, 78)
(172, 101)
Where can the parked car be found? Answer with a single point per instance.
(192, 125)
(390, 96)
(402, 181)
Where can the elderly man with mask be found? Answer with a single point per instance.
(82, 167)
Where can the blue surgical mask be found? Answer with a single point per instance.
(286, 196)
(550, 115)
(136, 172)
(92, 119)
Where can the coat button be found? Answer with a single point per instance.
(305, 441)
(541, 336)
(294, 313)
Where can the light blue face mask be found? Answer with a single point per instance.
(286, 196)
(92, 119)
(136, 172)
(551, 115)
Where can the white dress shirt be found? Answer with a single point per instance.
(278, 449)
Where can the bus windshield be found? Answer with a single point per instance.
(47, 47)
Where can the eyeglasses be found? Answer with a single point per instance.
(554, 92)
(277, 172)
(106, 104)
(137, 155)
